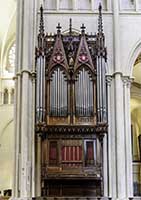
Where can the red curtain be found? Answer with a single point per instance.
(71, 153)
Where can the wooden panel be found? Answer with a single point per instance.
(58, 120)
(44, 152)
(53, 153)
(85, 120)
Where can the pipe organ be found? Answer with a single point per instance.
(84, 94)
(58, 93)
(71, 110)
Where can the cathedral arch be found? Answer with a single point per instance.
(132, 57)
(134, 70)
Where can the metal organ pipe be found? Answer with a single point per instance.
(98, 91)
(101, 89)
(40, 89)
(55, 92)
(84, 94)
(58, 97)
(104, 90)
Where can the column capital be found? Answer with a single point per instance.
(109, 80)
(127, 81)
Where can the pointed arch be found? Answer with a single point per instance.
(136, 50)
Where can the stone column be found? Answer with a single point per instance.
(119, 138)
(57, 4)
(111, 141)
(136, 5)
(24, 174)
(17, 103)
(127, 132)
(109, 5)
(92, 5)
(74, 4)
(119, 135)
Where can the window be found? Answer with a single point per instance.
(84, 94)
(58, 93)
(5, 96)
(11, 58)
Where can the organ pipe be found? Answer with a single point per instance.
(40, 89)
(40, 78)
(101, 72)
(84, 94)
(58, 94)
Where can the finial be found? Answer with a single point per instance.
(70, 26)
(100, 7)
(83, 29)
(41, 27)
(58, 28)
(100, 23)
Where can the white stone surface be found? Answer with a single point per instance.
(123, 40)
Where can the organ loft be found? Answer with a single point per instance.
(71, 110)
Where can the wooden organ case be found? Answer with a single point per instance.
(71, 110)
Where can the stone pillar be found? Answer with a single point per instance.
(109, 5)
(17, 126)
(92, 5)
(116, 35)
(57, 4)
(118, 96)
(111, 141)
(136, 5)
(74, 4)
(24, 173)
(127, 132)
(119, 138)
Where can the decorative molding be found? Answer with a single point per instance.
(73, 129)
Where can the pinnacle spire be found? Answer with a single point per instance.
(70, 26)
(83, 29)
(100, 22)
(58, 28)
(41, 27)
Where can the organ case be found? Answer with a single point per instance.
(71, 111)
